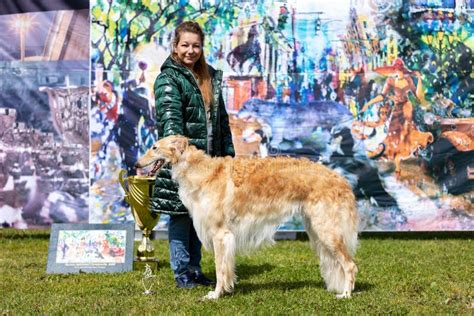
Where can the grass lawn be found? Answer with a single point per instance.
(396, 275)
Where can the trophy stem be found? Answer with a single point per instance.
(146, 250)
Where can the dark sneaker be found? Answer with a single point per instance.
(201, 279)
(185, 281)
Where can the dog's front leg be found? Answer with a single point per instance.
(224, 256)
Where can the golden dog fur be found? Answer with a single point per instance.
(237, 204)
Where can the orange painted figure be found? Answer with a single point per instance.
(108, 101)
(403, 138)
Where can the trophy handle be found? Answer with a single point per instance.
(122, 180)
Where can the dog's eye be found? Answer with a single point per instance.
(154, 147)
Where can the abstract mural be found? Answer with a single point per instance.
(381, 91)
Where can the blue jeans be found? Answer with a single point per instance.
(185, 246)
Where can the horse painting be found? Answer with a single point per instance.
(248, 51)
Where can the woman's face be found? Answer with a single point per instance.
(188, 49)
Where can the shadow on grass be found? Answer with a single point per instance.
(163, 264)
(291, 285)
(278, 285)
(363, 286)
(11, 233)
(245, 271)
(412, 235)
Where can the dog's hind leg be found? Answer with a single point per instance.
(335, 250)
(224, 253)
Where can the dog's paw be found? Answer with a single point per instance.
(344, 294)
(212, 295)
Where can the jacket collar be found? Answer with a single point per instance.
(173, 64)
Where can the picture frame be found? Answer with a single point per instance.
(90, 248)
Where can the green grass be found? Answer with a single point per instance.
(396, 275)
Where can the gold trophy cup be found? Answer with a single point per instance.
(137, 194)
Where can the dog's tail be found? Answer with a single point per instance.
(333, 272)
(336, 247)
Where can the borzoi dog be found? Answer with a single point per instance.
(237, 204)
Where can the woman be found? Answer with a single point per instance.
(403, 138)
(188, 99)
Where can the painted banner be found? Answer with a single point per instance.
(44, 116)
(379, 90)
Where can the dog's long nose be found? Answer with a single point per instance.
(137, 166)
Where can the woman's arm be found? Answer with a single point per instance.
(419, 92)
(378, 98)
(168, 105)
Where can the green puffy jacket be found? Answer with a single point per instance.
(180, 110)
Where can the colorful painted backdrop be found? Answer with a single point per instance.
(379, 90)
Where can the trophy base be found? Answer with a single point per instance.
(140, 265)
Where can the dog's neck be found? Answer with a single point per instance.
(191, 165)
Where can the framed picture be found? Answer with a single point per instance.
(75, 248)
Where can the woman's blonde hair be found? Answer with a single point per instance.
(200, 67)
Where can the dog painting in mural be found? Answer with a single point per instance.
(403, 139)
(296, 127)
(248, 51)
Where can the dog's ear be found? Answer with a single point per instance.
(179, 143)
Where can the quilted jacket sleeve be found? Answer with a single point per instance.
(169, 116)
(169, 108)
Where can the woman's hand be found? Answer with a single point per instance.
(378, 98)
